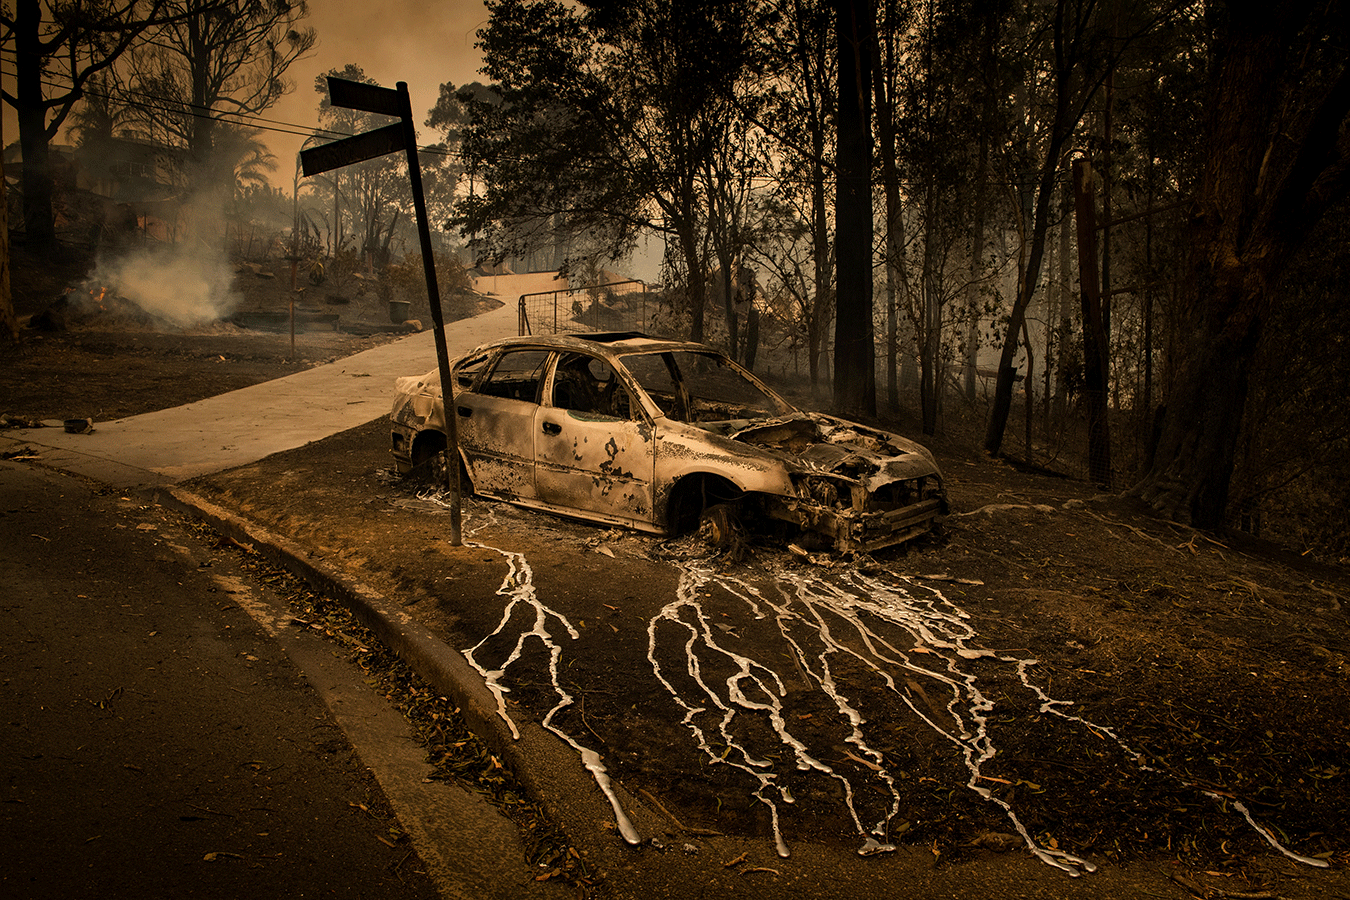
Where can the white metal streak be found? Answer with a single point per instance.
(518, 588)
(905, 634)
(844, 616)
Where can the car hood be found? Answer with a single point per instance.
(816, 443)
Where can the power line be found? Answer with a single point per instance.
(248, 120)
(291, 129)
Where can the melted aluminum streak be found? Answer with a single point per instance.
(1049, 705)
(518, 587)
(937, 625)
(691, 580)
(814, 604)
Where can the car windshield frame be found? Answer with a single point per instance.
(702, 386)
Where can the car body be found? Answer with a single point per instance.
(650, 434)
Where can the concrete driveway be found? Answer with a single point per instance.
(246, 425)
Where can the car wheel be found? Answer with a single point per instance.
(428, 463)
(693, 495)
(720, 526)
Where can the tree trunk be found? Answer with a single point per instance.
(696, 282)
(1061, 403)
(1094, 332)
(930, 315)
(39, 221)
(884, 93)
(9, 322)
(1074, 88)
(1193, 464)
(816, 92)
(892, 340)
(1003, 387)
(855, 354)
(1268, 178)
(821, 271)
(730, 281)
(987, 114)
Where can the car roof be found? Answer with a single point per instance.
(607, 344)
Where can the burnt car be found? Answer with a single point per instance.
(651, 434)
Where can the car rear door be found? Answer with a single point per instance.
(496, 425)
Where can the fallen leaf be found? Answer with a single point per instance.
(864, 762)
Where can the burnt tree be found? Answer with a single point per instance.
(855, 380)
(1277, 157)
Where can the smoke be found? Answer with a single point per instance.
(184, 285)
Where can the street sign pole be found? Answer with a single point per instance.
(380, 142)
(452, 479)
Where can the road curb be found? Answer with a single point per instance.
(548, 769)
(434, 661)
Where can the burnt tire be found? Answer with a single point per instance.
(428, 464)
(720, 526)
(721, 530)
(693, 496)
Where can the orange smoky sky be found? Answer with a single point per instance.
(423, 43)
(418, 41)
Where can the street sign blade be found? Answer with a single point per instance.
(379, 142)
(365, 97)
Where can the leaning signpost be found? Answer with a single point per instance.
(381, 142)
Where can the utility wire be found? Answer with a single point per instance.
(276, 126)
(248, 120)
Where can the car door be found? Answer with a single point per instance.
(496, 425)
(594, 451)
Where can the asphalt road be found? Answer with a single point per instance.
(160, 738)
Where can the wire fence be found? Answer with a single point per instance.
(617, 306)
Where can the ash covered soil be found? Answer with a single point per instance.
(1120, 689)
(87, 353)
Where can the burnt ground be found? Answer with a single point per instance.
(1202, 671)
(86, 356)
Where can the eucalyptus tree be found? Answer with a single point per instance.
(374, 195)
(1275, 161)
(939, 97)
(793, 239)
(989, 76)
(444, 168)
(210, 60)
(886, 73)
(855, 377)
(58, 48)
(1142, 141)
(1069, 46)
(784, 249)
(610, 113)
(728, 182)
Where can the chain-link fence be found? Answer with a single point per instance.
(618, 306)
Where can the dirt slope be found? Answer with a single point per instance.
(1126, 688)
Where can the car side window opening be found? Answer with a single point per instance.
(466, 373)
(586, 384)
(656, 374)
(517, 375)
(701, 387)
